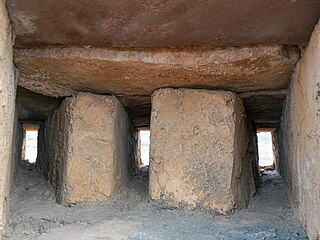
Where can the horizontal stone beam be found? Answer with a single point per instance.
(63, 71)
(133, 75)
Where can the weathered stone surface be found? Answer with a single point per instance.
(7, 107)
(90, 146)
(143, 23)
(132, 75)
(199, 150)
(264, 106)
(62, 71)
(300, 136)
(34, 106)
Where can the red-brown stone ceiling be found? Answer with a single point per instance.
(162, 23)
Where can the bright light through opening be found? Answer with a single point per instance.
(265, 149)
(31, 146)
(145, 146)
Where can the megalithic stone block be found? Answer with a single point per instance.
(7, 114)
(92, 144)
(199, 150)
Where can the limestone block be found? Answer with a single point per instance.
(299, 137)
(93, 148)
(7, 113)
(199, 157)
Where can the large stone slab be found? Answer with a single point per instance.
(7, 107)
(90, 148)
(159, 23)
(299, 137)
(199, 150)
(132, 75)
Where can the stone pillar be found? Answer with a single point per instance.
(91, 148)
(7, 107)
(199, 150)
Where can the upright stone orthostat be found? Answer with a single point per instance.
(7, 113)
(91, 149)
(299, 137)
(199, 150)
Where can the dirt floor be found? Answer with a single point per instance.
(34, 214)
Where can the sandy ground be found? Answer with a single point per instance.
(34, 214)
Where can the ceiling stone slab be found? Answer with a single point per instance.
(61, 72)
(31, 106)
(265, 107)
(133, 75)
(162, 23)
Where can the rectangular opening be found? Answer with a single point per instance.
(265, 149)
(30, 142)
(144, 147)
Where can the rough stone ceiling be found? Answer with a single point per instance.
(162, 23)
(130, 48)
(34, 106)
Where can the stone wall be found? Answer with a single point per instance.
(89, 147)
(253, 152)
(7, 103)
(199, 155)
(18, 139)
(275, 148)
(300, 137)
(42, 164)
